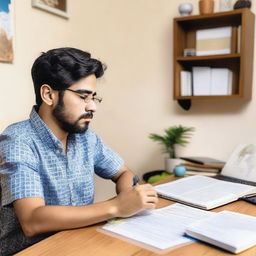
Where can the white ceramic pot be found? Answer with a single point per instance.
(170, 164)
(185, 9)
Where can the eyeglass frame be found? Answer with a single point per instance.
(85, 98)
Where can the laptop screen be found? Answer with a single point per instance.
(242, 163)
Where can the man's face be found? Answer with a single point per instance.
(71, 112)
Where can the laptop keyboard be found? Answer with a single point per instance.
(251, 199)
(235, 180)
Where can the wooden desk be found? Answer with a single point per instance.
(88, 241)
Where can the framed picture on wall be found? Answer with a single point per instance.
(6, 31)
(58, 7)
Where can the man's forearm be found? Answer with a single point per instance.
(35, 217)
(125, 180)
(54, 218)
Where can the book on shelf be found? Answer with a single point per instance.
(239, 34)
(213, 41)
(201, 77)
(186, 83)
(212, 81)
(221, 81)
(204, 192)
(232, 231)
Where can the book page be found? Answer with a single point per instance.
(203, 192)
(159, 229)
(242, 163)
(232, 231)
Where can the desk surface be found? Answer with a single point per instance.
(88, 241)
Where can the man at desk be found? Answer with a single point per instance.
(47, 162)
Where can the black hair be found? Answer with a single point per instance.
(62, 67)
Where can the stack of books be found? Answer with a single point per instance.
(212, 81)
(202, 166)
(204, 81)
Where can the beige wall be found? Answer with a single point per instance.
(134, 38)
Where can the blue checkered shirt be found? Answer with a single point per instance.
(32, 164)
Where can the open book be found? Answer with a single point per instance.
(231, 231)
(204, 192)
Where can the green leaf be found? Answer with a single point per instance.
(179, 135)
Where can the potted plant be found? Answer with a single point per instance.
(174, 135)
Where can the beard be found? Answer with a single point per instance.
(64, 123)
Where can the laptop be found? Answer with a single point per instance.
(241, 168)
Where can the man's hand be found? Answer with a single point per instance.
(135, 199)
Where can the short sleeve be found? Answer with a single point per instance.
(19, 177)
(106, 162)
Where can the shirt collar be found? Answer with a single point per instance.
(43, 131)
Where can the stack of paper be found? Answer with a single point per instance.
(213, 41)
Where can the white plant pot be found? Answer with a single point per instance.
(170, 164)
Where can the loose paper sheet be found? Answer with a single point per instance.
(159, 229)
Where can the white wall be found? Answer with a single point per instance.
(134, 38)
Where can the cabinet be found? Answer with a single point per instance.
(239, 61)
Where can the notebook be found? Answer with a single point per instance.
(232, 231)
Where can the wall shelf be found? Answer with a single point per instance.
(239, 61)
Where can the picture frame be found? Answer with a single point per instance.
(57, 7)
(6, 31)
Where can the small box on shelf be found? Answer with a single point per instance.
(213, 41)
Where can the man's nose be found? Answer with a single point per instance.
(91, 106)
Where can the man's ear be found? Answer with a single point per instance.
(47, 94)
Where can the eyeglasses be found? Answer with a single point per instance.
(87, 97)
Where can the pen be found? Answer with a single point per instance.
(135, 180)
